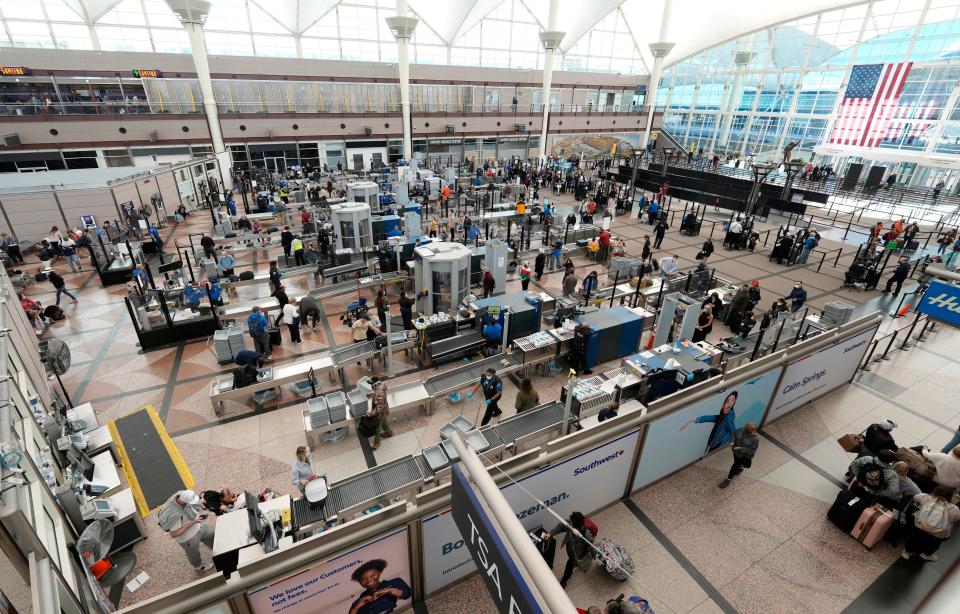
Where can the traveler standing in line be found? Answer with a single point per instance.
(899, 275)
(527, 397)
(68, 247)
(489, 283)
(932, 523)
(745, 443)
(604, 240)
(380, 409)
(60, 285)
(797, 297)
(291, 317)
(539, 263)
(525, 276)
(556, 253)
(948, 466)
(704, 324)
(257, 326)
(301, 469)
(180, 517)
(12, 247)
(406, 310)
(286, 240)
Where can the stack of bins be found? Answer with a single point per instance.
(221, 345)
(236, 340)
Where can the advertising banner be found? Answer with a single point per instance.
(941, 302)
(506, 584)
(686, 435)
(374, 578)
(817, 374)
(582, 483)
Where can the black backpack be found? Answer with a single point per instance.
(244, 376)
(246, 275)
(368, 425)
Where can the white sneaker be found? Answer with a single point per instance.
(204, 567)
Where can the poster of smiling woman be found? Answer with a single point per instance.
(676, 440)
(372, 579)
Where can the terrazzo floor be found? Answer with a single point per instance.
(762, 545)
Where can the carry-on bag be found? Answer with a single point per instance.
(274, 332)
(846, 510)
(616, 560)
(872, 526)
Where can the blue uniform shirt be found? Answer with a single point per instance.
(493, 331)
(490, 386)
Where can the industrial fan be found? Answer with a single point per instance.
(56, 355)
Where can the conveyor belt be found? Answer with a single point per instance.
(347, 287)
(344, 269)
(470, 373)
(304, 515)
(452, 345)
(373, 483)
(528, 422)
(354, 351)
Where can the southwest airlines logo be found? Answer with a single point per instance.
(598, 462)
(942, 302)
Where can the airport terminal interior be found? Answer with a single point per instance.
(373, 306)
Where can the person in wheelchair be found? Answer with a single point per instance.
(857, 273)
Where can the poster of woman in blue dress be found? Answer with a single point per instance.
(724, 423)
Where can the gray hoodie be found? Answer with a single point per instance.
(745, 444)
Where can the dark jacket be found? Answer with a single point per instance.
(797, 296)
(539, 262)
(902, 271)
(740, 301)
(576, 548)
(745, 444)
(286, 237)
(55, 279)
(877, 438)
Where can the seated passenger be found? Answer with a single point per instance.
(874, 478)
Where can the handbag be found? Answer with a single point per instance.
(851, 442)
(368, 425)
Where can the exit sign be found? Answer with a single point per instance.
(147, 73)
(14, 71)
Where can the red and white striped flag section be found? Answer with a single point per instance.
(870, 101)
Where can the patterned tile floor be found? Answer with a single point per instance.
(760, 546)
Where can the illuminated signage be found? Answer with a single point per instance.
(14, 71)
(147, 73)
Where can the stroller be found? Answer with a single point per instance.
(355, 311)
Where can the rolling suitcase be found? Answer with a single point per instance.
(846, 510)
(873, 278)
(872, 526)
(274, 332)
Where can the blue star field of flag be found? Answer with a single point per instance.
(863, 80)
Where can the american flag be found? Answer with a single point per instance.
(869, 112)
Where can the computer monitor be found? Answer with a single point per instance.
(174, 265)
(82, 461)
(253, 516)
